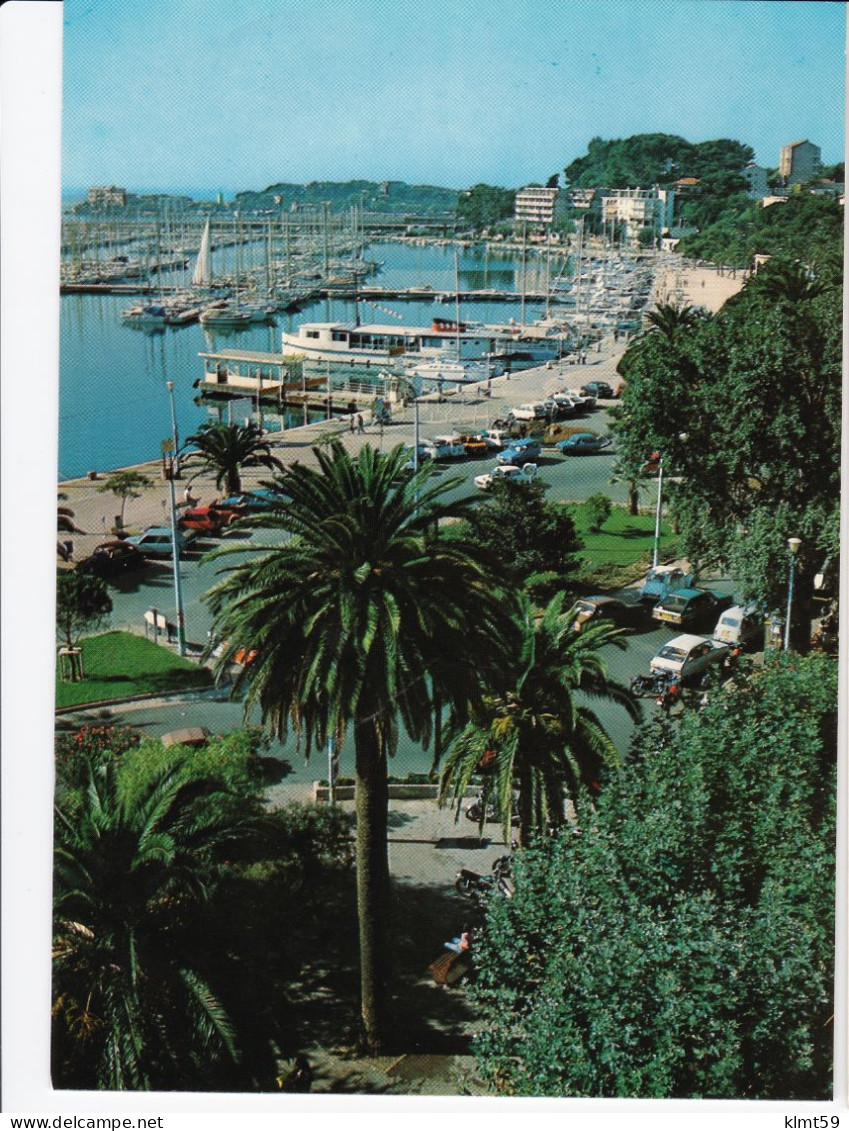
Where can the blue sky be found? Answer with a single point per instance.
(237, 94)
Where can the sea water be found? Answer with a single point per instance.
(113, 399)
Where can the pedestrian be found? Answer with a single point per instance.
(188, 498)
(361, 424)
(460, 942)
(352, 423)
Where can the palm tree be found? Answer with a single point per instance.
(362, 617)
(225, 449)
(782, 281)
(536, 737)
(132, 863)
(669, 319)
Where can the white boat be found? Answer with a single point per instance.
(145, 315)
(223, 317)
(444, 341)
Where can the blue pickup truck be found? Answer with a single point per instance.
(662, 580)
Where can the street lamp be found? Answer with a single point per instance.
(175, 545)
(683, 437)
(794, 544)
(175, 458)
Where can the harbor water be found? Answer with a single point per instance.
(113, 403)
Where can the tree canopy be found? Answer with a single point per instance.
(745, 407)
(649, 159)
(682, 945)
(483, 206)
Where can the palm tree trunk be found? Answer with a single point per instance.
(526, 803)
(372, 807)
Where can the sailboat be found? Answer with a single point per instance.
(202, 276)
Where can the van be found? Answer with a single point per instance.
(534, 411)
(739, 627)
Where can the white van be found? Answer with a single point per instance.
(535, 411)
(738, 626)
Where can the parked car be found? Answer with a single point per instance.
(112, 559)
(505, 471)
(425, 453)
(664, 579)
(445, 447)
(582, 444)
(740, 627)
(250, 502)
(534, 411)
(474, 444)
(519, 452)
(688, 656)
(155, 541)
(496, 438)
(560, 406)
(597, 389)
(690, 608)
(583, 401)
(205, 520)
(602, 607)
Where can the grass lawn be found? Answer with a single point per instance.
(612, 556)
(119, 664)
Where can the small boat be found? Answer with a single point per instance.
(225, 318)
(145, 315)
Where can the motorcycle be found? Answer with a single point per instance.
(474, 885)
(473, 812)
(653, 683)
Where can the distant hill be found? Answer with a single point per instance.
(655, 159)
(374, 196)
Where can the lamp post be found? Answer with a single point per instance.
(683, 437)
(657, 512)
(794, 544)
(175, 545)
(175, 458)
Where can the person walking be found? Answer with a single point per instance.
(361, 424)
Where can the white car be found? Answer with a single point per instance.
(505, 471)
(580, 400)
(687, 656)
(496, 438)
(535, 411)
(738, 627)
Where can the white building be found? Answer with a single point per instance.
(536, 205)
(633, 211)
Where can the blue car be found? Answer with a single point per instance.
(582, 443)
(519, 452)
(155, 541)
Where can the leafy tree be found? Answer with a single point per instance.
(125, 485)
(483, 206)
(363, 618)
(532, 542)
(224, 449)
(682, 945)
(756, 392)
(82, 603)
(597, 508)
(540, 738)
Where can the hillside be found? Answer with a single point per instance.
(384, 196)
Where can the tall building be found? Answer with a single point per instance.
(536, 205)
(638, 210)
(799, 162)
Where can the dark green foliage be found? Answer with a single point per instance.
(373, 196)
(89, 747)
(483, 206)
(82, 603)
(650, 159)
(541, 734)
(363, 618)
(597, 509)
(805, 228)
(532, 543)
(682, 945)
(174, 896)
(756, 391)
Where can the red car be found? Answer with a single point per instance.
(205, 520)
